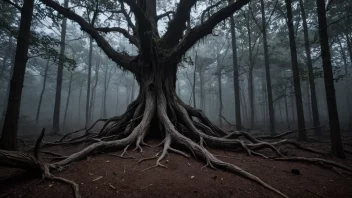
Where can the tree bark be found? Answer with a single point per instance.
(88, 81)
(302, 134)
(68, 100)
(250, 72)
(236, 82)
(79, 103)
(267, 72)
(9, 131)
(219, 91)
(42, 92)
(313, 97)
(57, 106)
(93, 95)
(194, 80)
(336, 144)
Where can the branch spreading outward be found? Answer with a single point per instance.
(166, 14)
(196, 33)
(122, 60)
(124, 32)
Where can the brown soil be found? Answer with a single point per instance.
(108, 176)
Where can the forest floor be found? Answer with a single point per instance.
(104, 175)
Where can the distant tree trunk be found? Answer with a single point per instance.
(343, 54)
(349, 46)
(313, 97)
(336, 144)
(201, 80)
(194, 81)
(267, 73)
(42, 92)
(79, 102)
(309, 105)
(6, 57)
(57, 106)
(219, 92)
(117, 98)
(286, 113)
(89, 79)
(344, 58)
(10, 49)
(68, 100)
(250, 73)
(235, 75)
(132, 91)
(302, 134)
(94, 90)
(9, 131)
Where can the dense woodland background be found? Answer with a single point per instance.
(204, 81)
(198, 76)
(205, 78)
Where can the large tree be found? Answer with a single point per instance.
(9, 131)
(336, 143)
(60, 69)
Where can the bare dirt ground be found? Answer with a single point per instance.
(103, 175)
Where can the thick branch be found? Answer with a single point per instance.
(206, 28)
(122, 60)
(166, 14)
(178, 23)
(124, 32)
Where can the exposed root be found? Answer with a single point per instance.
(148, 158)
(87, 130)
(197, 135)
(281, 135)
(74, 186)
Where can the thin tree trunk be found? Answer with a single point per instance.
(220, 96)
(286, 113)
(349, 46)
(201, 77)
(117, 99)
(68, 100)
(302, 134)
(336, 144)
(132, 91)
(313, 97)
(94, 90)
(89, 79)
(250, 73)
(267, 72)
(343, 54)
(79, 103)
(235, 75)
(6, 98)
(57, 106)
(9, 131)
(194, 80)
(42, 92)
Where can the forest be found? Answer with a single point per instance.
(175, 98)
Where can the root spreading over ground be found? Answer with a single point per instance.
(185, 131)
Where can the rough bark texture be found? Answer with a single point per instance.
(90, 56)
(236, 82)
(158, 111)
(57, 106)
(336, 144)
(9, 131)
(267, 71)
(313, 97)
(295, 70)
